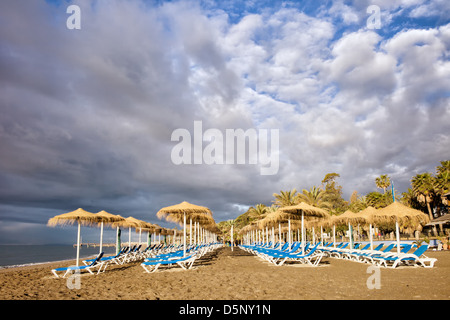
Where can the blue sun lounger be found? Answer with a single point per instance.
(183, 262)
(312, 257)
(96, 264)
(353, 254)
(416, 258)
(385, 253)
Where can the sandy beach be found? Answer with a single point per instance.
(233, 275)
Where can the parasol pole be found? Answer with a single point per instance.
(101, 238)
(397, 231)
(371, 236)
(184, 234)
(279, 232)
(350, 231)
(232, 244)
(303, 237)
(289, 233)
(190, 232)
(118, 240)
(78, 243)
(321, 235)
(129, 237)
(334, 236)
(273, 236)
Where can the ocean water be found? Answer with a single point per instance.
(19, 255)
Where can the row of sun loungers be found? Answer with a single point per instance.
(178, 257)
(156, 256)
(152, 257)
(312, 255)
(278, 254)
(379, 256)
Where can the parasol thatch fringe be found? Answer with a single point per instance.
(175, 213)
(80, 216)
(108, 218)
(307, 209)
(404, 215)
(183, 207)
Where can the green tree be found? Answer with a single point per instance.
(256, 213)
(383, 182)
(442, 178)
(333, 194)
(423, 189)
(359, 204)
(285, 198)
(379, 200)
(315, 197)
(409, 199)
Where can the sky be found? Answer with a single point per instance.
(88, 115)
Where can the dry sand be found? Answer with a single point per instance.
(237, 275)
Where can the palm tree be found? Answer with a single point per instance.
(285, 198)
(442, 179)
(315, 197)
(225, 227)
(423, 189)
(383, 182)
(359, 204)
(377, 199)
(256, 212)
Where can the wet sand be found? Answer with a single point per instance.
(237, 275)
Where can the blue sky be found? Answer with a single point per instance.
(87, 115)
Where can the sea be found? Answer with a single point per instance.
(23, 255)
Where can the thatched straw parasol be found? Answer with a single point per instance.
(177, 213)
(367, 215)
(109, 219)
(401, 214)
(129, 223)
(308, 211)
(348, 218)
(81, 217)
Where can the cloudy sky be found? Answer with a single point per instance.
(87, 116)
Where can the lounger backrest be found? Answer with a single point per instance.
(312, 250)
(421, 250)
(406, 248)
(389, 247)
(378, 248)
(96, 260)
(366, 247)
(296, 246)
